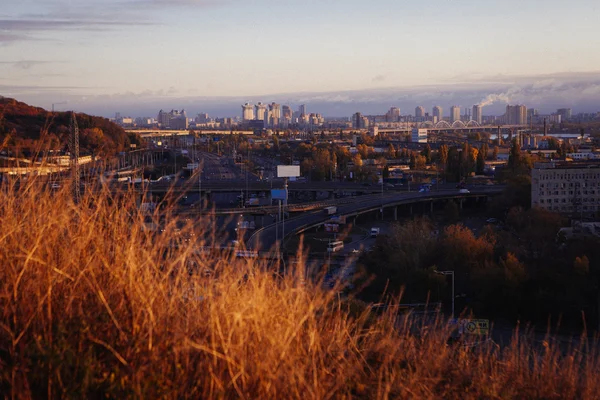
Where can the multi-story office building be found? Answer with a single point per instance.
(247, 112)
(477, 113)
(419, 113)
(566, 187)
(454, 114)
(438, 114)
(516, 115)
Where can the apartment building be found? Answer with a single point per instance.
(566, 187)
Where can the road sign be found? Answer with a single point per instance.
(192, 166)
(475, 326)
(332, 228)
(278, 194)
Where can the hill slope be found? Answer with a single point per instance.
(25, 130)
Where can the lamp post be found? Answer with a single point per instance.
(452, 274)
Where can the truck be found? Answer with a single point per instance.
(374, 232)
(330, 210)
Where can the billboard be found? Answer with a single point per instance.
(288, 171)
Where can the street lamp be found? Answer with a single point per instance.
(452, 274)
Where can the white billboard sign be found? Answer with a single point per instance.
(288, 171)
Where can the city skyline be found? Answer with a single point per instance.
(140, 55)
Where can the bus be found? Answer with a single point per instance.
(335, 246)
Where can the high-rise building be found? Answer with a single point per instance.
(393, 115)
(419, 112)
(477, 115)
(515, 115)
(565, 113)
(286, 112)
(454, 114)
(302, 109)
(247, 112)
(202, 118)
(438, 114)
(163, 119)
(359, 121)
(261, 110)
(174, 119)
(275, 110)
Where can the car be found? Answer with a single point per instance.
(491, 221)
(55, 186)
(464, 191)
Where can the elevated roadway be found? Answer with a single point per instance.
(266, 238)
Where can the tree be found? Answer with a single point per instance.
(443, 152)
(514, 156)
(495, 153)
(480, 163)
(390, 152)
(426, 152)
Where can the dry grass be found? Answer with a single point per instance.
(93, 305)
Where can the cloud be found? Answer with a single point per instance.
(25, 64)
(378, 78)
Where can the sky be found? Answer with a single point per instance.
(336, 56)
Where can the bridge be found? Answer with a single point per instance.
(456, 126)
(158, 133)
(265, 238)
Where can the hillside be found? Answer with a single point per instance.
(93, 305)
(25, 130)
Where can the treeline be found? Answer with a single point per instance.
(27, 130)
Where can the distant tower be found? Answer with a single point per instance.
(74, 150)
(419, 112)
(477, 117)
(454, 114)
(248, 112)
(302, 109)
(261, 110)
(437, 112)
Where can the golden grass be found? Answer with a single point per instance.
(94, 305)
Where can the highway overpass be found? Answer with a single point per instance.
(265, 238)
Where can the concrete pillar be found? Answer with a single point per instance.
(395, 213)
(411, 209)
(431, 208)
(461, 204)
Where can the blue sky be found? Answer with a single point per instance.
(208, 55)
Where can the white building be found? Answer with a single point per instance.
(419, 135)
(247, 112)
(566, 187)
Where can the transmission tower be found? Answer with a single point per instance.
(74, 150)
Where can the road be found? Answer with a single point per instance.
(265, 239)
